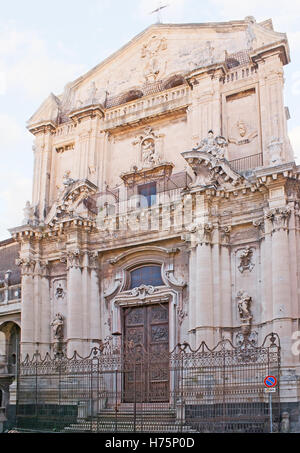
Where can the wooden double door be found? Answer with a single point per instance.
(146, 364)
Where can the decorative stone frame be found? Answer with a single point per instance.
(118, 296)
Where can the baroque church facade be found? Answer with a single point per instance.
(165, 204)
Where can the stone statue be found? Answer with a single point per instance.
(245, 260)
(28, 213)
(149, 155)
(67, 181)
(244, 301)
(57, 325)
(213, 145)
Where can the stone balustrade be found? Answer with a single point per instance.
(168, 100)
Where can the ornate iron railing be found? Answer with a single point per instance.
(247, 163)
(185, 390)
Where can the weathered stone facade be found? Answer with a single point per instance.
(173, 152)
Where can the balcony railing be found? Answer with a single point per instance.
(247, 163)
(10, 294)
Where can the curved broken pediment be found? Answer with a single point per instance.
(211, 170)
(72, 201)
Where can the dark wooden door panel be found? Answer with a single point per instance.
(146, 375)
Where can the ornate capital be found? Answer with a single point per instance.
(27, 266)
(278, 217)
(74, 258)
(225, 233)
(41, 268)
(93, 259)
(198, 234)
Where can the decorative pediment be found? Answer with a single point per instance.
(46, 115)
(209, 165)
(71, 202)
(137, 176)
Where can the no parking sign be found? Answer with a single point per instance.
(270, 383)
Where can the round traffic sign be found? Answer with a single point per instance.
(270, 381)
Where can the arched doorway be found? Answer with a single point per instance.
(10, 345)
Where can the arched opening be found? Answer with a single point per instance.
(232, 63)
(173, 82)
(149, 275)
(9, 346)
(131, 96)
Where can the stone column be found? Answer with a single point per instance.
(42, 170)
(44, 308)
(281, 281)
(27, 307)
(75, 309)
(94, 302)
(204, 286)
(276, 146)
(226, 279)
(265, 228)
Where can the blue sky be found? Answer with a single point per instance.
(44, 46)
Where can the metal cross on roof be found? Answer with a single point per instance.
(158, 11)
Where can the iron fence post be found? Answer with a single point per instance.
(116, 400)
(134, 404)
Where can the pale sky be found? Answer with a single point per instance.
(44, 46)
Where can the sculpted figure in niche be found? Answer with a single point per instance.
(149, 155)
(57, 326)
(244, 301)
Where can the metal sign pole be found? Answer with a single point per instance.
(270, 410)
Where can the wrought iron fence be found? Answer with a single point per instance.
(186, 390)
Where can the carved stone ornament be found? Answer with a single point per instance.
(209, 165)
(57, 326)
(148, 150)
(213, 145)
(251, 338)
(27, 265)
(59, 292)
(67, 181)
(142, 291)
(29, 217)
(151, 52)
(198, 234)
(279, 217)
(245, 260)
(242, 133)
(74, 259)
(181, 314)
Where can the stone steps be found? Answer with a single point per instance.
(148, 419)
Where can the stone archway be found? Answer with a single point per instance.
(11, 349)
